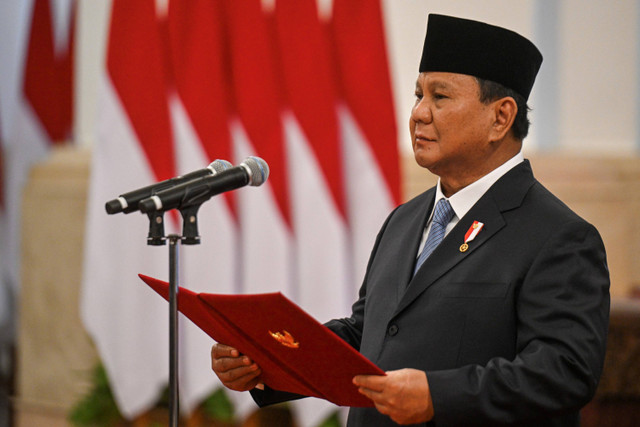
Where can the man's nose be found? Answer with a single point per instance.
(421, 111)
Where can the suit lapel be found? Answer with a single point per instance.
(394, 260)
(447, 255)
(507, 193)
(412, 238)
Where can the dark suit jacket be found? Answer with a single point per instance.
(512, 331)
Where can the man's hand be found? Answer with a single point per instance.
(237, 372)
(403, 395)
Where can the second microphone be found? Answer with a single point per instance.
(252, 171)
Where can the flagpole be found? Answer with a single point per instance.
(174, 253)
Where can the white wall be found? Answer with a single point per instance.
(598, 74)
(93, 26)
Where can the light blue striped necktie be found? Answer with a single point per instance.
(441, 217)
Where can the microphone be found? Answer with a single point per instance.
(252, 171)
(128, 202)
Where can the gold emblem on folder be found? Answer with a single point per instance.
(285, 338)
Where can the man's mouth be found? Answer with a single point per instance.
(423, 138)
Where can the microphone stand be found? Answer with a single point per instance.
(156, 238)
(174, 262)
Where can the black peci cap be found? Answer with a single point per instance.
(464, 46)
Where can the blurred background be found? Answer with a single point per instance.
(101, 97)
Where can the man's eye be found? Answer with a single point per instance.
(418, 95)
(439, 96)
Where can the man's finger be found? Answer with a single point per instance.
(376, 397)
(224, 364)
(233, 375)
(373, 395)
(371, 382)
(221, 350)
(242, 379)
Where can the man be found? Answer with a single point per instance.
(505, 320)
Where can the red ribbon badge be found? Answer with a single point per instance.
(471, 234)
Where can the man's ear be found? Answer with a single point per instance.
(505, 110)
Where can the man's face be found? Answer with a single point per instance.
(450, 127)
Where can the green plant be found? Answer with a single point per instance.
(218, 407)
(332, 421)
(97, 408)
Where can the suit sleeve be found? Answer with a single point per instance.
(562, 312)
(269, 396)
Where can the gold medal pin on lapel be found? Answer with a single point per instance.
(471, 234)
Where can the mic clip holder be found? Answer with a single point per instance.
(190, 236)
(156, 235)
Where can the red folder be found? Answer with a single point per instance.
(296, 353)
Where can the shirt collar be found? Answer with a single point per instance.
(463, 200)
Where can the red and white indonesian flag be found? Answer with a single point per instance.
(134, 147)
(38, 75)
(367, 124)
(190, 82)
(199, 110)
